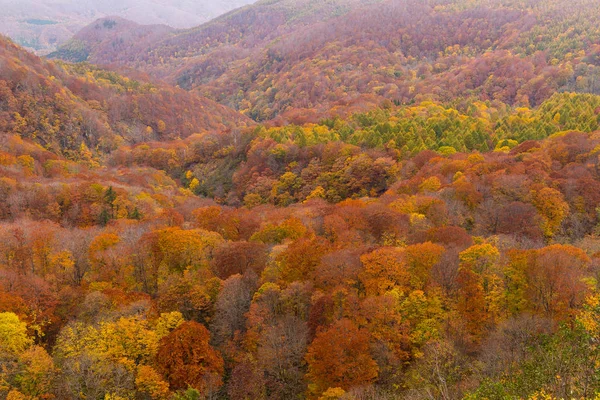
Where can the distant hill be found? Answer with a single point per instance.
(113, 37)
(66, 108)
(300, 59)
(43, 25)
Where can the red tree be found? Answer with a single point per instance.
(186, 358)
(340, 357)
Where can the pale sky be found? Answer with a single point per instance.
(42, 25)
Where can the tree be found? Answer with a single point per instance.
(104, 258)
(291, 228)
(189, 394)
(280, 353)
(13, 334)
(246, 382)
(339, 267)
(186, 359)
(471, 304)
(421, 258)
(479, 258)
(89, 376)
(440, 372)
(553, 209)
(37, 372)
(176, 249)
(390, 334)
(555, 280)
(385, 269)
(127, 341)
(150, 382)
(340, 357)
(300, 259)
(231, 307)
(333, 394)
(193, 295)
(232, 258)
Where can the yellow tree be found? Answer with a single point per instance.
(37, 372)
(151, 383)
(384, 270)
(551, 205)
(178, 249)
(481, 261)
(104, 258)
(13, 334)
(421, 258)
(390, 332)
(479, 258)
(128, 341)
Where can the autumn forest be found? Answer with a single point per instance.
(301, 199)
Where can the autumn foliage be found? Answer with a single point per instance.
(339, 357)
(420, 220)
(186, 358)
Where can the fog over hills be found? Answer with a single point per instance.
(43, 25)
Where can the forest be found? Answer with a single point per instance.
(439, 240)
(303, 60)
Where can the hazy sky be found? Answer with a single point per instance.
(184, 13)
(43, 24)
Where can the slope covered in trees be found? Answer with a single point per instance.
(298, 59)
(67, 108)
(117, 281)
(433, 249)
(111, 36)
(157, 245)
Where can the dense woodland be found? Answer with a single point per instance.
(300, 60)
(439, 240)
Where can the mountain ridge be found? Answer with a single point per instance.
(276, 60)
(62, 106)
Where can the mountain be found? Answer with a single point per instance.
(298, 60)
(414, 216)
(62, 106)
(42, 25)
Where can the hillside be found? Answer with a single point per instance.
(413, 213)
(414, 233)
(302, 59)
(113, 37)
(43, 25)
(62, 106)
